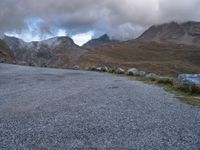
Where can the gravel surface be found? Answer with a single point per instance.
(44, 109)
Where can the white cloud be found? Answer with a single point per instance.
(82, 38)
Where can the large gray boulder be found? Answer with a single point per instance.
(132, 71)
(151, 76)
(189, 79)
(136, 72)
(141, 73)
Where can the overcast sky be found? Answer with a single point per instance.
(83, 19)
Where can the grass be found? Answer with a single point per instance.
(165, 59)
(187, 96)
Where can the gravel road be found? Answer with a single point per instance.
(54, 109)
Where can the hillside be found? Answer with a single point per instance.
(161, 58)
(54, 52)
(5, 54)
(167, 49)
(181, 33)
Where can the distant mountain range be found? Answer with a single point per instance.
(54, 52)
(169, 48)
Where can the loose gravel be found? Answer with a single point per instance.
(55, 109)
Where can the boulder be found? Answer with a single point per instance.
(151, 76)
(105, 69)
(120, 71)
(99, 69)
(141, 73)
(136, 72)
(190, 82)
(76, 67)
(189, 79)
(132, 71)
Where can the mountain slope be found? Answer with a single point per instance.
(104, 39)
(161, 58)
(54, 52)
(184, 33)
(5, 53)
(168, 49)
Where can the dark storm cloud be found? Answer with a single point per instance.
(122, 19)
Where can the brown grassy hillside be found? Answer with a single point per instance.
(5, 54)
(162, 58)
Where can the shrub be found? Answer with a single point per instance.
(192, 89)
(165, 80)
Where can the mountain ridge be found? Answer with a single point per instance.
(55, 52)
(180, 33)
(104, 39)
(168, 49)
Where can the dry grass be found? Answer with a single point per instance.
(165, 59)
(5, 53)
(185, 95)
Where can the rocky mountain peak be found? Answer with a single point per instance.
(104, 39)
(180, 33)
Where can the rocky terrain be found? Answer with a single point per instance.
(180, 33)
(55, 52)
(167, 49)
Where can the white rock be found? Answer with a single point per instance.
(76, 67)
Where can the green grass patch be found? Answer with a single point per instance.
(189, 96)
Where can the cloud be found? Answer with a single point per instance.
(81, 39)
(121, 19)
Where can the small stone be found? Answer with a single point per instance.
(76, 67)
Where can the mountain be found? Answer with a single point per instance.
(5, 53)
(54, 52)
(167, 49)
(104, 39)
(181, 33)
